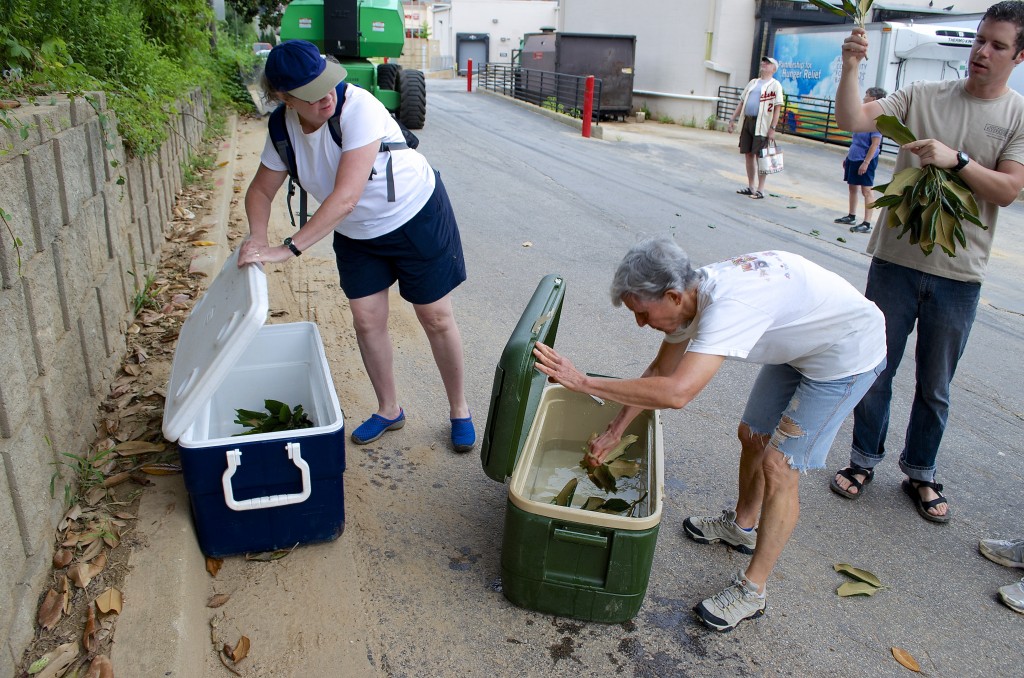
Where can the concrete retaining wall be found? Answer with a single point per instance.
(88, 220)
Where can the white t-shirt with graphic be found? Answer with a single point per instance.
(363, 120)
(775, 308)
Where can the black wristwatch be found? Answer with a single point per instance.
(961, 161)
(295, 250)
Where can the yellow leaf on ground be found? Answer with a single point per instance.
(213, 566)
(241, 650)
(858, 574)
(856, 588)
(203, 243)
(907, 659)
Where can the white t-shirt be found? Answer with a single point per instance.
(363, 120)
(776, 308)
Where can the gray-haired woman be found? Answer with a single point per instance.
(820, 343)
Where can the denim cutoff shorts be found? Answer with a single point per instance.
(815, 409)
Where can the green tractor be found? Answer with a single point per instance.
(352, 31)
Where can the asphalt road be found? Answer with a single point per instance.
(418, 566)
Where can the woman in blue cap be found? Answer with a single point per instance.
(396, 225)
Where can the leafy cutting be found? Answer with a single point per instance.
(857, 11)
(929, 203)
(604, 475)
(278, 417)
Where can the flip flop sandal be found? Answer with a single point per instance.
(849, 473)
(921, 505)
(745, 191)
(757, 195)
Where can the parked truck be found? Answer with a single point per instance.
(353, 31)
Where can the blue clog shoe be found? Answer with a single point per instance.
(463, 434)
(376, 426)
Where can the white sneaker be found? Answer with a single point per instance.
(1013, 596)
(739, 601)
(1009, 552)
(713, 529)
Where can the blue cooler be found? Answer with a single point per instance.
(266, 491)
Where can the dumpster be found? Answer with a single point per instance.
(265, 491)
(565, 560)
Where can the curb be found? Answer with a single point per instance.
(169, 573)
(596, 132)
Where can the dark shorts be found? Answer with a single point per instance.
(749, 143)
(850, 172)
(424, 255)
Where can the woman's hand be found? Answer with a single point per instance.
(559, 370)
(256, 252)
(599, 448)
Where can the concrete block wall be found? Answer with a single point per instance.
(86, 216)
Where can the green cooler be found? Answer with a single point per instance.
(565, 560)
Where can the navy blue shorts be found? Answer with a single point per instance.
(850, 172)
(424, 255)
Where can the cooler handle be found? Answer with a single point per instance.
(235, 460)
(581, 538)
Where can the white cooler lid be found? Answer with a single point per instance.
(222, 324)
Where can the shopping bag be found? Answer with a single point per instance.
(769, 159)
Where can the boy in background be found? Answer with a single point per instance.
(859, 169)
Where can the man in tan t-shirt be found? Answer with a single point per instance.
(974, 127)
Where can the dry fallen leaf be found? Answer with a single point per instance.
(95, 495)
(161, 469)
(213, 565)
(907, 659)
(51, 609)
(218, 600)
(858, 574)
(203, 243)
(109, 601)
(62, 558)
(82, 573)
(131, 447)
(100, 668)
(89, 641)
(240, 651)
(55, 662)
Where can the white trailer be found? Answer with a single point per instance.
(810, 59)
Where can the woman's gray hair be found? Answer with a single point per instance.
(652, 267)
(875, 92)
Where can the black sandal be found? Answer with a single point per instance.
(745, 191)
(850, 473)
(912, 488)
(757, 195)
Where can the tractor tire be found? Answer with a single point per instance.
(387, 76)
(412, 110)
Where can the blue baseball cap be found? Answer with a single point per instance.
(296, 67)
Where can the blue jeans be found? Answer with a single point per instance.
(944, 312)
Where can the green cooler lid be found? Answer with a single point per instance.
(517, 385)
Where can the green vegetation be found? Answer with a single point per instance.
(144, 54)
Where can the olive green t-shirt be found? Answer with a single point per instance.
(988, 130)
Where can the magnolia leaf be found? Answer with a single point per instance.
(109, 601)
(623, 468)
(100, 668)
(51, 610)
(213, 565)
(131, 447)
(865, 7)
(856, 588)
(901, 180)
(615, 505)
(602, 477)
(161, 469)
(620, 449)
(890, 126)
(564, 498)
(907, 659)
(592, 503)
(858, 574)
(218, 599)
(828, 7)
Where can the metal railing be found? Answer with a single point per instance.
(802, 116)
(554, 91)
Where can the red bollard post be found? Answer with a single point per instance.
(469, 75)
(588, 105)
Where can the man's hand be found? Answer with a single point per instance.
(863, 167)
(732, 126)
(855, 47)
(559, 370)
(932, 152)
